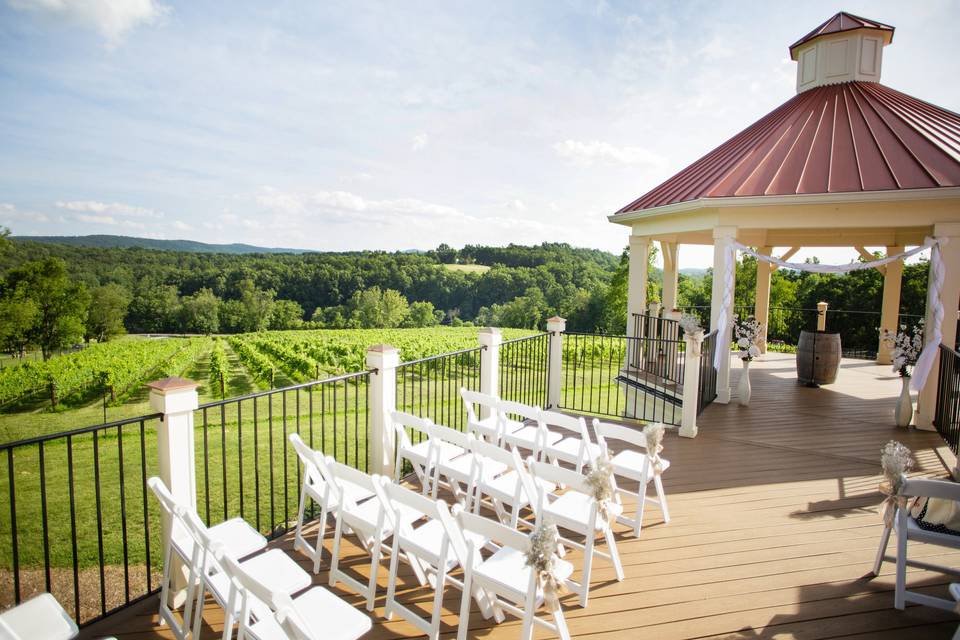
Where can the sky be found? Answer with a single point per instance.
(397, 125)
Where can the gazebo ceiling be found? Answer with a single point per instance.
(848, 137)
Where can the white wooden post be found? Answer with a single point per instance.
(176, 398)
(637, 279)
(761, 304)
(670, 253)
(382, 401)
(555, 327)
(822, 316)
(723, 238)
(691, 385)
(890, 309)
(651, 346)
(491, 338)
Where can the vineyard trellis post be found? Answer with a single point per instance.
(555, 327)
(382, 360)
(177, 399)
(490, 339)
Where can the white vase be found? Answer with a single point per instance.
(744, 389)
(904, 412)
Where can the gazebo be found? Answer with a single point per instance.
(846, 162)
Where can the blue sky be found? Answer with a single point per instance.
(361, 125)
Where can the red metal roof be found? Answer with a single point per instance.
(842, 21)
(849, 137)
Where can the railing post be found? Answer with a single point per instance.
(822, 316)
(691, 385)
(490, 338)
(555, 327)
(176, 399)
(382, 360)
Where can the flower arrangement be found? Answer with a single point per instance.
(654, 435)
(542, 557)
(747, 331)
(906, 346)
(690, 325)
(896, 460)
(600, 480)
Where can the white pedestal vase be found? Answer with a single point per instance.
(744, 390)
(904, 411)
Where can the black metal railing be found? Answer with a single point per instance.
(596, 379)
(658, 348)
(524, 369)
(707, 391)
(647, 326)
(245, 464)
(430, 387)
(947, 417)
(77, 521)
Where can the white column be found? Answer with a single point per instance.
(691, 386)
(822, 316)
(950, 298)
(491, 338)
(555, 327)
(671, 264)
(637, 282)
(176, 399)
(761, 304)
(890, 311)
(723, 238)
(382, 402)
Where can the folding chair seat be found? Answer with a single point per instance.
(907, 530)
(266, 614)
(463, 470)
(235, 535)
(316, 487)
(438, 543)
(533, 437)
(486, 425)
(424, 454)
(370, 523)
(506, 576)
(576, 447)
(577, 511)
(634, 466)
(504, 489)
(39, 617)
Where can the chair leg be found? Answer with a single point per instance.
(641, 507)
(465, 597)
(392, 579)
(298, 539)
(614, 553)
(529, 611)
(561, 622)
(335, 553)
(374, 570)
(900, 595)
(882, 550)
(321, 532)
(662, 495)
(438, 600)
(587, 567)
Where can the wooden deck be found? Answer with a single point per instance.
(774, 529)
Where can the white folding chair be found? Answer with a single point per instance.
(316, 487)
(424, 454)
(533, 437)
(315, 614)
(463, 470)
(907, 529)
(484, 425)
(39, 617)
(370, 523)
(506, 576)
(503, 489)
(235, 535)
(576, 447)
(635, 466)
(438, 543)
(577, 511)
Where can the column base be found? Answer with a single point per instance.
(688, 432)
(723, 396)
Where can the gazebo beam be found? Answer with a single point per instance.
(890, 311)
(867, 256)
(789, 253)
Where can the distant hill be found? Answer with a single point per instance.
(124, 242)
(693, 272)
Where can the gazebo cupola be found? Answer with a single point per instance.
(845, 48)
(846, 162)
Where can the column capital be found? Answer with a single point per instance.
(725, 232)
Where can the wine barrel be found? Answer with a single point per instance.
(818, 357)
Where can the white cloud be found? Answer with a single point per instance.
(419, 141)
(594, 151)
(11, 215)
(181, 226)
(516, 205)
(108, 220)
(111, 208)
(112, 19)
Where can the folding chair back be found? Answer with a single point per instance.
(576, 425)
(559, 475)
(509, 408)
(485, 424)
(607, 431)
(405, 423)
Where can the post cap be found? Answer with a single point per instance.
(491, 330)
(556, 319)
(382, 348)
(173, 383)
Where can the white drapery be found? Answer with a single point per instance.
(934, 333)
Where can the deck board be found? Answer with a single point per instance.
(773, 532)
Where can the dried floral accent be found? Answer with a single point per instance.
(747, 332)
(600, 481)
(654, 436)
(542, 558)
(896, 460)
(905, 347)
(690, 325)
